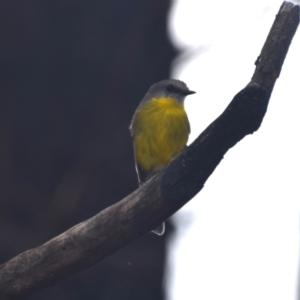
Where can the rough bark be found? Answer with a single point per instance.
(94, 239)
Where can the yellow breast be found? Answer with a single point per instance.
(160, 131)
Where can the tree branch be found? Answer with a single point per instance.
(92, 240)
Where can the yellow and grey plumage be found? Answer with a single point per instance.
(160, 129)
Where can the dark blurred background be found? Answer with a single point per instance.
(71, 75)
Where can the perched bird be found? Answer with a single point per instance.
(160, 129)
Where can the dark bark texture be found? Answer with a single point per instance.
(131, 218)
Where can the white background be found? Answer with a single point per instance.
(238, 238)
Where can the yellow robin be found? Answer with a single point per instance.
(160, 129)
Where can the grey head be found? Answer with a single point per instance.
(169, 88)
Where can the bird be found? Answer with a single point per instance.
(160, 129)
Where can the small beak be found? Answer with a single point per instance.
(188, 92)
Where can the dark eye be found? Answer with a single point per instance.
(170, 87)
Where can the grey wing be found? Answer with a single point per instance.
(134, 128)
(142, 175)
